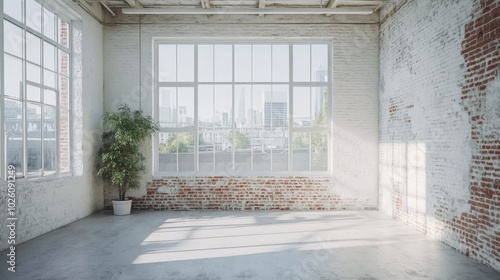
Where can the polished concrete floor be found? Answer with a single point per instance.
(240, 245)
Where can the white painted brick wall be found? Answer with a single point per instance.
(355, 82)
(426, 146)
(44, 205)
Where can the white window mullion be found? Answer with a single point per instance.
(177, 120)
(233, 125)
(290, 107)
(213, 106)
(3, 158)
(271, 125)
(330, 107)
(213, 128)
(196, 121)
(251, 126)
(156, 114)
(251, 107)
(24, 105)
(42, 136)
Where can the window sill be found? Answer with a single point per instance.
(50, 178)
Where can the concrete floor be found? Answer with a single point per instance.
(240, 245)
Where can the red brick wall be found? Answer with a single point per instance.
(479, 228)
(246, 193)
(440, 92)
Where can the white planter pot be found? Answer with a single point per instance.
(121, 208)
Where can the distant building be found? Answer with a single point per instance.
(275, 109)
(225, 119)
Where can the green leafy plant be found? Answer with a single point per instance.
(121, 161)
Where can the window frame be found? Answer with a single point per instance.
(157, 41)
(23, 25)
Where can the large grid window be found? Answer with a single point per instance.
(231, 108)
(35, 95)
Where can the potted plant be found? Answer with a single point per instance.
(121, 161)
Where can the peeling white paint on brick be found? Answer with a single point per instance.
(422, 80)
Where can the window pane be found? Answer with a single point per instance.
(13, 77)
(276, 109)
(206, 106)
(185, 111)
(49, 78)
(64, 141)
(185, 148)
(258, 96)
(63, 63)
(223, 150)
(176, 151)
(50, 97)
(280, 63)
(302, 107)
(301, 63)
(34, 142)
(319, 151)
(13, 8)
(33, 72)
(33, 48)
(34, 15)
(319, 63)
(49, 139)
(261, 152)
(319, 107)
(208, 139)
(49, 56)
(301, 151)
(279, 127)
(63, 33)
(223, 105)
(244, 132)
(206, 63)
(261, 63)
(223, 63)
(176, 107)
(185, 63)
(13, 39)
(243, 150)
(280, 151)
(168, 107)
(167, 152)
(14, 135)
(310, 107)
(243, 63)
(167, 61)
(33, 93)
(243, 105)
(49, 24)
(260, 137)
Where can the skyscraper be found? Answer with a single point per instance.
(275, 109)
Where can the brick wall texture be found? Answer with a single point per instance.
(246, 193)
(440, 122)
